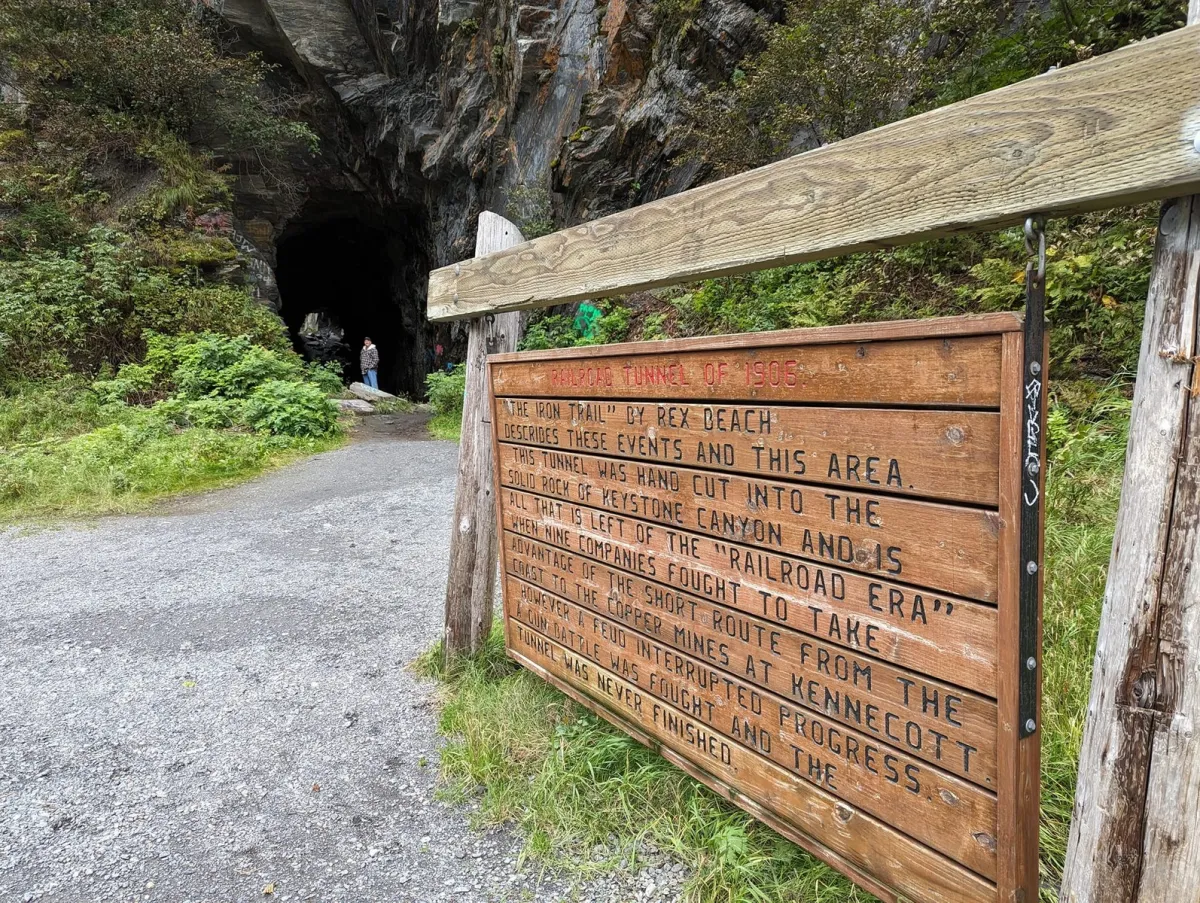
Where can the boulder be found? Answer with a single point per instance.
(357, 405)
(366, 393)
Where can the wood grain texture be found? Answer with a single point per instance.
(946, 813)
(843, 677)
(886, 331)
(471, 579)
(1171, 844)
(944, 372)
(942, 547)
(944, 636)
(1110, 131)
(893, 864)
(950, 455)
(722, 639)
(1105, 851)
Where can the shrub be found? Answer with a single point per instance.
(446, 390)
(300, 410)
(158, 61)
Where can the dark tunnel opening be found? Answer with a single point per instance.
(344, 273)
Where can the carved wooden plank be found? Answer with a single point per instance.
(1136, 704)
(1109, 131)
(846, 677)
(943, 372)
(943, 547)
(946, 813)
(949, 455)
(861, 620)
(807, 812)
(470, 585)
(939, 635)
(810, 674)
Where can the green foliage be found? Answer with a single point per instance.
(1061, 33)
(156, 61)
(1097, 278)
(446, 390)
(187, 178)
(836, 68)
(677, 16)
(78, 309)
(287, 408)
(215, 381)
(31, 412)
(530, 209)
(133, 460)
(593, 324)
(445, 393)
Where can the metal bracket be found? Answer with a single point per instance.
(1032, 405)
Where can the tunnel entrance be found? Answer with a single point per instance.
(344, 273)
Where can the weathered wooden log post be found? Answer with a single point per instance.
(1135, 830)
(470, 585)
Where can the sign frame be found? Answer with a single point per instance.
(856, 844)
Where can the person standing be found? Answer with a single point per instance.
(368, 361)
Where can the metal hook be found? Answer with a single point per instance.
(1035, 226)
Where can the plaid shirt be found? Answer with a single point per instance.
(368, 358)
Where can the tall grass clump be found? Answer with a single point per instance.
(446, 391)
(588, 797)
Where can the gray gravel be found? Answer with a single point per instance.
(212, 699)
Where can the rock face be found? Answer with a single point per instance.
(548, 111)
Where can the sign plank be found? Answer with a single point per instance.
(929, 719)
(949, 455)
(687, 550)
(949, 548)
(947, 813)
(940, 635)
(945, 372)
(827, 823)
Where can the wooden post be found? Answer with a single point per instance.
(473, 544)
(1135, 831)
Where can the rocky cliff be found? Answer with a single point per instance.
(550, 111)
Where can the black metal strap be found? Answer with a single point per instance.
(1033, 385)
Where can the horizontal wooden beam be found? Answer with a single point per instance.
(1114, 130)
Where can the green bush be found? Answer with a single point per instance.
(77, 309)
(592, 324)
(157, 61)
(301, 410)
(446, 390)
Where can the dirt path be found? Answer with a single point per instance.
(177, 686)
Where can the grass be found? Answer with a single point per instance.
(62, 456)
(587, 797)
(446, 425)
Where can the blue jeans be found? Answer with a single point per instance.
(371, 379)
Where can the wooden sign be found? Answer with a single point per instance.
(792, 563)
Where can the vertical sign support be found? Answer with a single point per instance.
(470, 585)
(1033, 380)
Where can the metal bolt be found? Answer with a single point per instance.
(1031, 663)
(1033, 467)
(1035, 368)
(1031, 567)
(1031, 725)
(1196, 142)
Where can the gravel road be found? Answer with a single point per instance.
(211, 703)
